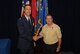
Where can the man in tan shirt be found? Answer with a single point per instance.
(51, 34)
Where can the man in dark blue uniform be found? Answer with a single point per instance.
(26, 32)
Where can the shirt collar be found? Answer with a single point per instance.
(51, 25)
(27, 17)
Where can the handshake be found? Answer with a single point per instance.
(35, 38)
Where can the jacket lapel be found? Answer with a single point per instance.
(28, 22)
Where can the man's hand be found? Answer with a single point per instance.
(59, 44)
(35, 38)
(58, 49)
(34, 44)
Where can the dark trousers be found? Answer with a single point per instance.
(26, 51)
(50, 49)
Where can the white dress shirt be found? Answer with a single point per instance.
(27, 17)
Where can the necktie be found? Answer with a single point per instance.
(29, 20)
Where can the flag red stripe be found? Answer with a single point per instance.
(34, 10)
(22, 12)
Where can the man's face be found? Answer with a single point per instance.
(49, 20)
(27, 10)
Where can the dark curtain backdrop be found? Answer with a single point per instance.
(65, 13)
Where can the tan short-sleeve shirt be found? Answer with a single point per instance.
(51, 34)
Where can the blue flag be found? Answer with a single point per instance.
(42, 11)
(45, 10)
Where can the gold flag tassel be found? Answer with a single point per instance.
(36, 34)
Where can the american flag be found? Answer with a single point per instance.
(39, 11)
(23, 3)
